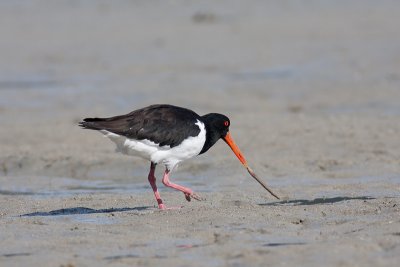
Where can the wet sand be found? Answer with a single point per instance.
(312, 91)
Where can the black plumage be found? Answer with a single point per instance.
(162, 124)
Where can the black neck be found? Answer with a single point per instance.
(212, 136)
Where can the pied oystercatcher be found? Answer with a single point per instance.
(167, 134)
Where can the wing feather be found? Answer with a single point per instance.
(161, 124)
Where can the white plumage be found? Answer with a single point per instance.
(166, 155)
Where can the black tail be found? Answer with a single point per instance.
(117, 124)
(93, 123)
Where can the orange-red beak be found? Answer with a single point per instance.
(228, 139)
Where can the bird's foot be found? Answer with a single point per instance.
(191, 195)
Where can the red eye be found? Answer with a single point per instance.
(226, 123)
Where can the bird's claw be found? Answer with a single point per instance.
(189, 196)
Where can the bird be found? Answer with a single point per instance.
(167, 134)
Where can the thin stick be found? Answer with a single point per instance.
(261, 182)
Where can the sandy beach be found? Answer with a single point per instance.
(312, 92)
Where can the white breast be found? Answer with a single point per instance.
(149, 150)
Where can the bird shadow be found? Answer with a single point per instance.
(80, 211)
(283, 244)
(316, 201)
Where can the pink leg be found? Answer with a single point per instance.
(152, 180)
(187, 191)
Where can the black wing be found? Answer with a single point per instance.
(162, 124)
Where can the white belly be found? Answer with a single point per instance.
(149, 150)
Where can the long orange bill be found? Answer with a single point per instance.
(228, 139)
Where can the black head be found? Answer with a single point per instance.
(217, 123)
(217, 126)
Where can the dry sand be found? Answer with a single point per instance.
(312, 91)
